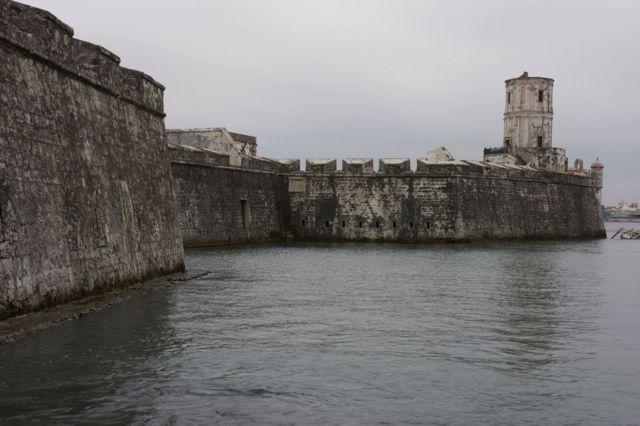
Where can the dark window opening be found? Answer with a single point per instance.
(360, 224)
(507, 143)
(394, 225)
(539, 141)
(540, 95)
(509, 97)
(377, 224)
(410, 224)
(428, 225)
(326, 224)
(344, 223)
(303, 223)
(244, 211)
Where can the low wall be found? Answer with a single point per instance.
(86, 194)
(222, 199)
(454, 201)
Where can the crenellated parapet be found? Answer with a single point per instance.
(46, 39)
(401, 168)
(388, 167)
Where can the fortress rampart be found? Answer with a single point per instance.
(86, 193)
(451, 201)
(94, 193)
(439, 201)
(224, 199)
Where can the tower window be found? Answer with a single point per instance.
(540, 95)
(539, 141)
(344, 223)
(377, 224)
(509, 97)
(303, 223)
(326, 224)
(507, 143)
(360, 224)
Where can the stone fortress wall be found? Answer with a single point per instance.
(442, 200)
(95, 194)
(226, 199)
(87, 199)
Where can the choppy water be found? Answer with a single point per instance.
(504, 333)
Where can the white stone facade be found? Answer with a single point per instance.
(528, 115)
(528, 126)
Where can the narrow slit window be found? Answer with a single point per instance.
(326, 224)
(394, 225)
(428, 225)
(539, 141)
(509, 97)
(410, 224)
(303, 223)
(540, 95)
(360, 224)
(244, 212)
(377, 224)
(344, 223)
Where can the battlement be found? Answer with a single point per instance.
(394, 166)
(43, 38)
(462, 168)
(388, 167)
(358, 165)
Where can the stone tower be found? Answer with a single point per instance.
(528, 113)
(597, 169)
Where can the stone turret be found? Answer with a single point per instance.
(597, 171)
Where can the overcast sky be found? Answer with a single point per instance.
(383, 78)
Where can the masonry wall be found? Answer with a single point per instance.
(86, 194)
(445, 202)
(221, 201)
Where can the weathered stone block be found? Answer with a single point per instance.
(357, 165)
(394, 166)
(321, 165)
(290, 165)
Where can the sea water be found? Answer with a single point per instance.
(530, 332)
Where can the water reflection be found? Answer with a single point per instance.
(101, 366)
(528, 309)
(546, 302)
